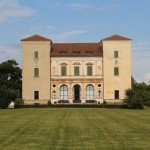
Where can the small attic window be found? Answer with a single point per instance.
(76, 52)
(89, 52)
(63, 51)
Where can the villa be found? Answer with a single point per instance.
(75, 72)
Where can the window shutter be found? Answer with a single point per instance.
(36, 54)
(63, 70)
(116, 54)
(76, 71)
(36, 72)
(116, 71)
(89, 70)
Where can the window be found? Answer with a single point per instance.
(99, 93)
(116, 94)
(115, 54)
(64, 92)
(36, 95)
(36, 54)
(36, 72)
(54, 94)
(89, 70)
(76, 70)
(99, 85)
(63, 70)
(116, 71)
(89, 92)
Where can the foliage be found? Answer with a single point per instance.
(11, 76)
(18, 102)
(6, 96)
(138, 96)
(49, 103)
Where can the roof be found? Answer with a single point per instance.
(36, 37)
(115, 38)
(76, 50)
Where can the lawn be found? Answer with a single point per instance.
(74, 129)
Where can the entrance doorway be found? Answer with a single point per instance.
(76, 93)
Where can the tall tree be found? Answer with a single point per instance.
(10, 75)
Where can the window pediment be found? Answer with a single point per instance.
(89, 63)
(63, 64)
(76, 63)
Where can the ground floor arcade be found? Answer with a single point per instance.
(77, 91)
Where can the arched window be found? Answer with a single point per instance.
(89, 92)
(63, 92)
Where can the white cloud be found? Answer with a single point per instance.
(145, 43)
(109, 7)
(100, 7)
(92, 26)
(141, 61)
(66, 35)
(4, 51)
(81, 6)
(50, 28)
(147, 78)
(11, 8)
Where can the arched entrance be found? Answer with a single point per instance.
(76, 93)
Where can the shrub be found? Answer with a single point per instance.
(49, 103)
(19, 102)
(135, 103)
(6, 96)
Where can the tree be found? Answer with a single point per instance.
(138, 95)
(11, 75)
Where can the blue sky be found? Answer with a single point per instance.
(77, 21)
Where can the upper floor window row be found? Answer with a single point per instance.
(76, 70)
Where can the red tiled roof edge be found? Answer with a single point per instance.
(36, 37)
(115, 38)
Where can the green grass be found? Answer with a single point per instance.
(74, 128)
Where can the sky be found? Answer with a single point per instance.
(77, 21)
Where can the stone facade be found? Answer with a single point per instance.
(75, 72)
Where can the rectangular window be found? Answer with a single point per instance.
(36, 54)
(116, 71)
(54, 94)
(76, 71)
(99, 93)
(115, 54)
(36, 72)
(116, 94)
(89, 70)
(63, 70)
(36, 95)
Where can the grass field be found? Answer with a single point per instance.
(74, 128)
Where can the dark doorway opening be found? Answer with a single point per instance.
(116, 94)
(76, 91)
